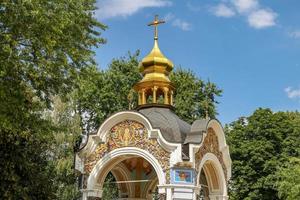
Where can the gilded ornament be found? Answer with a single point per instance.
(125, 134)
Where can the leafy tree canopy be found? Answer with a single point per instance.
(44, 45)
(289, 179)
(67, 130)
(194, 98)
(103, 92)
(259, 146)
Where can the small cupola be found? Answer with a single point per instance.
(155, 89)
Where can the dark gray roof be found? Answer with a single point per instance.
(200, 125)
(196, 133)
(171, 126)
(194, 138)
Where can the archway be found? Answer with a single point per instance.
(137, 173)
(138, 182)
(211, 179)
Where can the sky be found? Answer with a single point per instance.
(248, 48)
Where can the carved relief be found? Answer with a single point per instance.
(129, 134)
(210, 145)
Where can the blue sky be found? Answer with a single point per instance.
(249, 48)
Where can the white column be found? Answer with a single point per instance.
(181, 192)
(84, 195)
(169, 194)
(217, 197)
(91, 193)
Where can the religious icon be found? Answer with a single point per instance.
(126, 136)
(182, 176)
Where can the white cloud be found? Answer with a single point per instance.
(258, 17)
(222, 10)
(169, 17)
(292, 93)
(244, 6)
(183, 25)
(124, 8)
(294, 34)
(262, 19)
(176, 22)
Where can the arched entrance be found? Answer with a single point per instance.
(211, 179)
(136, 173)
(135, 178)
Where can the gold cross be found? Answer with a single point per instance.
(155, 23)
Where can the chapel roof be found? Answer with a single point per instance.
(196, 132)
(173, 128)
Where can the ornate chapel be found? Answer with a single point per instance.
(150, 151)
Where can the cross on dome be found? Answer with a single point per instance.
(155, 23)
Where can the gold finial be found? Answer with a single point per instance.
(155, 23)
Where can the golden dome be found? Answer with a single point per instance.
(155, 87)
(155, 60)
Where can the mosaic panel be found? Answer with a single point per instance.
(129, 134)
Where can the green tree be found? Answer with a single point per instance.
(194, 98)
(67, 131)
(103, 92)
(110, 189)
(259, 144)
(288, 183)
(44, 44)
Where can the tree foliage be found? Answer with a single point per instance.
(193, 97)
(110, 188)
(288, 183)
(44, 44)
(259, 145)
(103, 92)
(67, 131)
